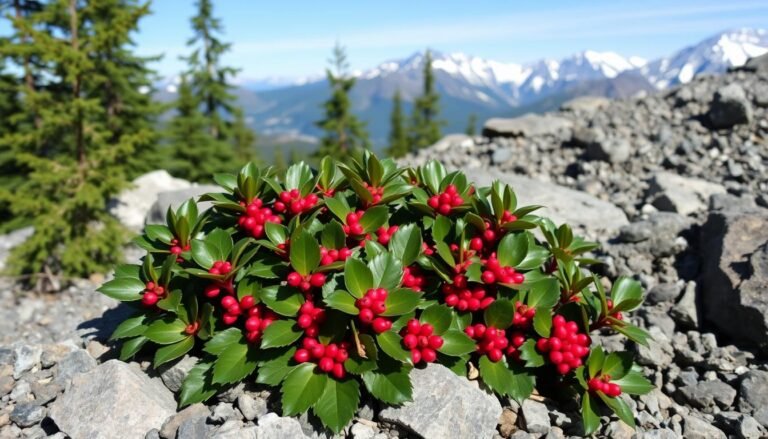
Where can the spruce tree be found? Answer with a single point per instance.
(243, 139)
(77, 147)
(398, 138)
(471, 125)
(425, 126)
(344, 134)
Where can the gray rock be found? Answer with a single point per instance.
(112, 400)
(45, 391)
(272, 426)
(535, 417)
(706, 395)
(585, 137)
(21, 391)
(660, 433)
(453, 141)
(446, 406)
(152, 434)
(674, 193)
(619, 430)
(194, 428)
(609, 150)
(235, 430)
(501, 155)
(576, 208)
(753, 391)
(251, 408)
(529, 125)
(730, 107)
(756, 64)
(586, 104)
(76, 362)
(172, 424)
(173, 375)
(659, 353)
(27, 415)
(27, 357)
(734, 275)
(740, 425)
(664, 292)
(131, 206)
(223, 412)
(657, 234)
(6, 385)
(362, 431)
(684, 312)
(175, 198)
(696, 428)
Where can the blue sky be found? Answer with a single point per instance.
(294, 37)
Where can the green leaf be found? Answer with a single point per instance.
(131, 347)
(390, 385)
(495, 375)
(296, 175)
(439, 316)
(333, 236)
(338, 207)
(392, 344)
(512, 249)
(544, 294)
(590, 418)
(338, 403)
(521, 383)
(457, 343)
(638, 335)
(235, 363)
(621, 408)
(387, 271)
(302, 388)
(283, 300)
(617, 364)
(124, 289)
(171, 302)
(401, 301)
(342, 301)
(131, 327)
(542, 322)
(499, 314)
(173, 351)
(627, 294)
(305, 253)
(441, 228)
(634, 383)
(595, 361)
(357, 277)
(198, 385)
(280, 333)
(202, 253)
(530, 355)
(166, 331)
(374, 217)
(276, 366)
(357, 365)
(445, 252)
(157, 232)
(406, 244)
(219, 243)
(222, 340)
(277, 233)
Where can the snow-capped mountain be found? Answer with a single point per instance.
(713, 55)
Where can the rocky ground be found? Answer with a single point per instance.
(674, 187)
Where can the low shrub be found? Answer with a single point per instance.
(337, 282)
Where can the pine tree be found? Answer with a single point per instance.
(425, 126)
(398, 138)
(344, 133)
(471, 125)
(243, 139)
(78, 144)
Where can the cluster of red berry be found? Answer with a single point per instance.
(292, 201)
(495, 273)
(420, 340)
(353, 226)
(214, 289)
(177, 249)
(255, 217)
(413, 278)
(604, 385)
(329, 358)
(523, 316)
(446, 201)
(258, 319)
(384, 234)
(152, 293)
(516, 339)
(305, 283)
(615, 315)
(460, 296)
(371, 305)
(329, 256)
(376, 192)
(491, 341)
(566, 346)
(310, 318)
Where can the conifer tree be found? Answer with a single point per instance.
(425, 126)
(471, 125)
(243, 139)
(344, 133)
(398, 138)
(78, 145)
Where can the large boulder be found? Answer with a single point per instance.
(133, 204)
(446, 406)
(586, 104)
(758, 63)
(173, 199)
(561, 204)
(730, 107)
(529, 125)
(734, 274)
(674, 193)
(112, 400)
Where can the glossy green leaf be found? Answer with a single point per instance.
(305, 253)
(342, 301)
(617, 364)
(235, 363)
(589, 415)
(405, 244)
(392, 344)
(166, 331)
(456, 344)
(390, 385)
(283, 300)
(333, 236)
(302, 388)
(131, 327)
(634, 383)
(275, 365)
(124, 289)
(499, 314)
(387, 271)
(357, 277)
(356, 364)
(198, 386)
(595, 361)
(338, 403)
(374, 217)
(222, 340)
(621, 408)
(439, 316)
(131, 346)
(401, 301)
(627, 294)
(544, 294)
(173, 351)
(512, 249)
(280, 333)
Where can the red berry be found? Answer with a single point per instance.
(326, 364)
(318, 351)
(301, 356)
(229, 319)
(410, 341)
(228, 301)
(428, 355)
(317, 280)
(294, 279)
(338, 371)
(149, 298)
(488, 277)
(381, 324)
(563, 368)
(416, 356)
(435, 341)
(366, 315)
(495, 355)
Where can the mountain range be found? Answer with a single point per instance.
(283, 110)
